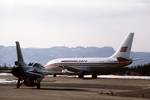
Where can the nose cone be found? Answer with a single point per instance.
(51, 64)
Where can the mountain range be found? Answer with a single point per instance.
(43, 55)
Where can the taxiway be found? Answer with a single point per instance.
(72, 88)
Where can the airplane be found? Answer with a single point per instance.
(97, 66)
(30, 74)
(27, 74)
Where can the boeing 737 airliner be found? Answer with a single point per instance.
(97, 66)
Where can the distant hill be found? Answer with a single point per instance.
(43, 55)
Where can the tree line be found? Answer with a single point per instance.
(140, 70)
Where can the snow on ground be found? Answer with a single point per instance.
(117, 77)
(5, 74)
(4, 81)
(124, 77)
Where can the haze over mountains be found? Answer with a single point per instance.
(43, 55)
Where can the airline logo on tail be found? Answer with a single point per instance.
(123, 49)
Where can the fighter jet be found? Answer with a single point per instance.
(27, 74)
(30, 74)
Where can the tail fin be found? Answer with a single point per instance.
(125, 48)
(20, 60)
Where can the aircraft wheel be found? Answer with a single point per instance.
(38, 86)
(81, 76)
(19, 83)
(54, 75)
(94, 76)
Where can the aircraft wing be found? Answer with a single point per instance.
(59, 73)
(34, 74)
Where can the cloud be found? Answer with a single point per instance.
(73, 22)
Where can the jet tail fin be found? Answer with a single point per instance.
(20, 61)
(125, 48)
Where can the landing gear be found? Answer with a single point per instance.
(94, 76)
(38, 86)
(38, 83)
(81, 76)
(54, 75)
(19, 83)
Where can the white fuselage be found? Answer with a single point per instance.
(97, 65)
(86, 64)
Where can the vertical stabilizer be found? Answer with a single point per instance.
(125, 48)
(20, 60)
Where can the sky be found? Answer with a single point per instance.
(99, 23)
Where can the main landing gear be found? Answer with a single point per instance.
(94, 76)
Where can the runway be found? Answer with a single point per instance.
(72, 88)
